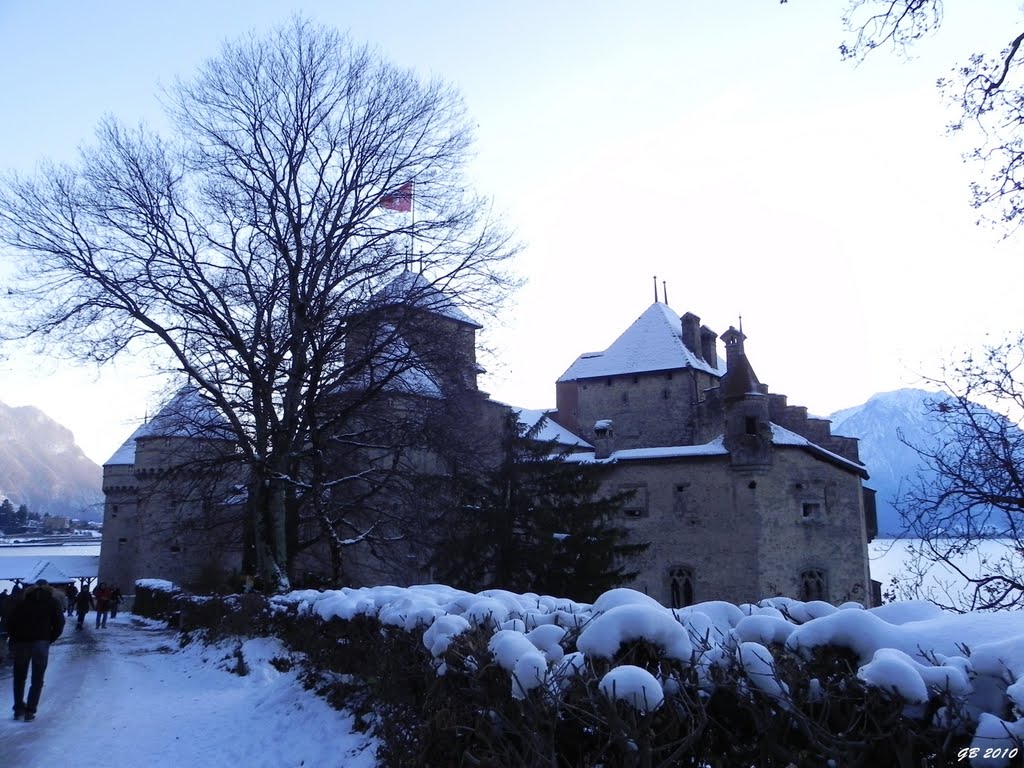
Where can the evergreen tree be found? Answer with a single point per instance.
(8, 517)
(536, 523)
(23, 515)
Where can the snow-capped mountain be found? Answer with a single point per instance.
(43, 468)
(879, 423)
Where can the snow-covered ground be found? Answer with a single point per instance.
(127, 696)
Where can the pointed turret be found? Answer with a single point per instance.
(748, 432)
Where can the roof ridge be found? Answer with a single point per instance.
(652, 342)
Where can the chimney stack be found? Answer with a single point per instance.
(691, 333)
(708, 347)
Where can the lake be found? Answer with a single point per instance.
(890, 558)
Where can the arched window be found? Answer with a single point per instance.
(813, 584)
(680, 587)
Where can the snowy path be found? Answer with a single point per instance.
(125, 696)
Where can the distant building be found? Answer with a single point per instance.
(55, 524)
(740, 495)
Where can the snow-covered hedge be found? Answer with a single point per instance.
(519, 679)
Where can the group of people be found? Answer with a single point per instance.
(105, 600)
(33, 618)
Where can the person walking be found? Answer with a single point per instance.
(36, 621)
(6, 602)
(102, 596)
(83, 604)
(72, 594)
(115, 601)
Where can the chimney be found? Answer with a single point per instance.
(691, 332)
(708, 348)
(604, 438)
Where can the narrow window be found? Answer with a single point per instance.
(813, 585)
(680, 587)
(636, 504)
(810, 511)
(751, 425)
(680, 508)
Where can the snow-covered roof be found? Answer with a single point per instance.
(414, 289)
(654, 342)
(783, 436)
(780, 436)
(549, 429)
(715, 448)
(56, 569)
(187, 414)
(125, 455)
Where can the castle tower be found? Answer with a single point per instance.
(648, 382)
(747, 429)
(416, 337)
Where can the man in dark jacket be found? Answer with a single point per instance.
(36, 620)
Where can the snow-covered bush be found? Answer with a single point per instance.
(155, 598)
(505, 679)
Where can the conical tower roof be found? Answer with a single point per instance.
(654, 342)
(187, 414)
(413, 289)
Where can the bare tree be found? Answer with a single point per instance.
(257, 249)
(987, 89)
(967, 509)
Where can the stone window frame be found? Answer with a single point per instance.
(812, 512)
(812, 583)
(812, 504)
(681, 586)
(639, 504)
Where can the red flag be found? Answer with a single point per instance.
(399, 199)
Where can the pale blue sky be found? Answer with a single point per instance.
(722, 146)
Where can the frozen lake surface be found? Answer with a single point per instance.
(892, 559)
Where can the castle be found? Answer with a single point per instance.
(739, 494)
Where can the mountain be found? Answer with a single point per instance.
(879, 423)
(43, 468)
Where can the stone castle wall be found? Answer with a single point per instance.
(742, 533)
(648, 409)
